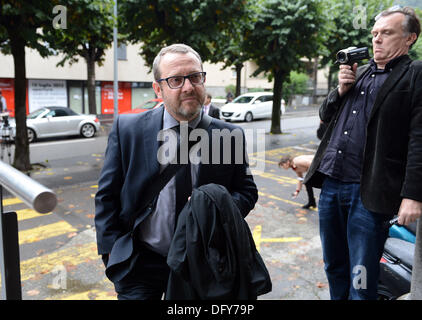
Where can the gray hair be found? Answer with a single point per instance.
(411, 23)
(174, 48)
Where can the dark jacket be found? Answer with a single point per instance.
(131, 165)
(214, 112)
(213, 255)
(392, 159)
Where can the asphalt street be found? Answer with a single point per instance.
(58, 250)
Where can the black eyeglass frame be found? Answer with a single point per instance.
(203, 73)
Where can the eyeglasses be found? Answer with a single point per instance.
(177, 82)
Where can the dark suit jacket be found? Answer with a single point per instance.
(131, 165)
(214, 112)
(392, 159)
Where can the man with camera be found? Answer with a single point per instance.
(369, 162)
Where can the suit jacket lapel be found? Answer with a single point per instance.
(152, 124)
(396, 74)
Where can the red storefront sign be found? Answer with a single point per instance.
(125, 97)
(7, 87)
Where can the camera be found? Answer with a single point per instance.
(351, 55)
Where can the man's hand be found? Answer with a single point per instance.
(346, 78)
(409, 211)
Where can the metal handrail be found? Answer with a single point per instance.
(32, 193)
(35, 196)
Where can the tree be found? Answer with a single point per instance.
(348, 25)
(285, 32)
(197, 23)
(416, 50)
(88, 33)
(20, 21)
(230, 43)
(297, 83)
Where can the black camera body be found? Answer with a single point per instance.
(351, 55)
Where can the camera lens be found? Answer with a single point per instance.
(341, 57)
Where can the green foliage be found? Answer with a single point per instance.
(284, 32)
(230, 88)
(20, 21)
(89, 30)
(416, 51)
(296, 84)
(197, 23)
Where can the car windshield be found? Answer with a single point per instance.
(243, 99)
(147, 105)
(35, 113)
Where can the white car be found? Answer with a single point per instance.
(250, 106)
(57, 121)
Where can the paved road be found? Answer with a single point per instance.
(58, 250)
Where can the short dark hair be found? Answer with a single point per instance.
(411, 22)
(284, 160)
(174, 48)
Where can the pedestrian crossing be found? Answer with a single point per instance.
(43, 265)
(35, 228)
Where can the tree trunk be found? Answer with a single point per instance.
(238, 78)
(277, 94)
(21, 160)
(90, 61)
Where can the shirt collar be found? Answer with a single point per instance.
(389, 66)
(169, 122)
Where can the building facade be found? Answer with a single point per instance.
(50, 85)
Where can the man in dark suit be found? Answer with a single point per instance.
(132, 163)
(209, 108)
(369, 162)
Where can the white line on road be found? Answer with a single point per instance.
(41, 144)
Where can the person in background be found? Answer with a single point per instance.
(3, 104)
(300, 166)
(209, 109)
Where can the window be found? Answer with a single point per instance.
(121, 52)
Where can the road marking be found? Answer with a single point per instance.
(44, 232)
(71, 256)
(256, 234)
(276, 177)
(305, 149)
(42, 144)
(26, 214)
(279, 199)
(11, 201)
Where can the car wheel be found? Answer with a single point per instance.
(87, 130)
(31, 135)
(248, 117)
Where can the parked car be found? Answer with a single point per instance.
(56, 122)
(150, 104)
(250, 106)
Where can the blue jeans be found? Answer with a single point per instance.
(352, 241)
